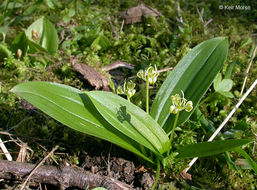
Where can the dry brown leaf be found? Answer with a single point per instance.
(95, 79)
(135, 14)
(186, 176)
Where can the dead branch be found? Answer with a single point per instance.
(59, 176)
(35, 169)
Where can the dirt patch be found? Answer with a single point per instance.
(120, 169)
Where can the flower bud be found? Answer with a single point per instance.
(19, 53)
(35, 34)
(120, 90)
(176, 100)
(189, 106)
(140, 74)
(173, 109)
(131, 93)
(131, 85)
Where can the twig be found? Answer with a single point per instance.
(200, 14)
(42, 56)
(17, 125)
(117, 64)
(114, 30)
(42, 162)
(208, 22)
(201, 17)
(165, 69)
(180, 19)
(122, 24)
(5, 151)
(224, 122)
(248, 69)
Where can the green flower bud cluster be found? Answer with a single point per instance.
(151, 74)
(128, 89)
(180, 104)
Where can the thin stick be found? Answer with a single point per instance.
(42, 162)
(165, 69)
(225, 121)
(114, 30)
(248, 69)
(5, 151)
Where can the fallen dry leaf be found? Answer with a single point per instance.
(95, 79)
(135, 14)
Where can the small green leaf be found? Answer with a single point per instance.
(32, 8)
(224, 86)
(4, 51)
(210, 148)
(226, 94)
(100, 43)
(72, 12)
(251, 163)
(246, 41)
(3, 31)
(217, 81)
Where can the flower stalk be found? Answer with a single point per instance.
(150, 76)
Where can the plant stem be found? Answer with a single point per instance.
(158, 171)
(147, 96)
(173, 129)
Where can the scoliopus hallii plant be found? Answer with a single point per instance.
(147, 134)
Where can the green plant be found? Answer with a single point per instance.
(108, 116)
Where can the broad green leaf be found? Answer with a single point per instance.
(251, 163)
(74, 109)
(20, 42)
(193, 75)
(130, 120)
(47, 34)
(210, 148)
(34, 47)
